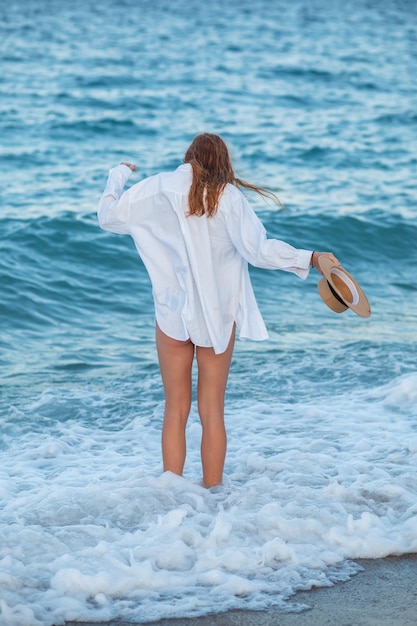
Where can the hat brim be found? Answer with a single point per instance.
(340, 291)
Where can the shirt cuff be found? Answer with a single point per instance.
(304, 263)
(116, 181)
(304, 258)
(123, 173)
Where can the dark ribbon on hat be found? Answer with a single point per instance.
(336, 295)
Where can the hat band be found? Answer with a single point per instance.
(336, 295)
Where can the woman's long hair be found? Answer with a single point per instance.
(212, 171)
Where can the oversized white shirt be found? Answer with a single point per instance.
(198, 266)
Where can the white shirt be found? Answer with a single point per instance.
(198, 266)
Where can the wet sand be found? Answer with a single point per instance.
(384, 594)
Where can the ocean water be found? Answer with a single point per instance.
(318, 101)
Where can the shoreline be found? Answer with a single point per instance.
(383, 594)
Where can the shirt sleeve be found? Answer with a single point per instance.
(248, 235)
(113, 207)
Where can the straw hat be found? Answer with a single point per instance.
(340, 291)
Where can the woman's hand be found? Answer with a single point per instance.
(316, 256)
(131, 166)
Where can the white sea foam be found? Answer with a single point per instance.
(91, 529)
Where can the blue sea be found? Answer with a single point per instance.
(317, 100)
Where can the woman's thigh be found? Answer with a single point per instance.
(175, 362)
(213, 372)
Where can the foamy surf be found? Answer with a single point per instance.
(92, 531)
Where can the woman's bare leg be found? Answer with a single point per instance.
(213, 371)
(175, 362)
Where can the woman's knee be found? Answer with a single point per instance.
(178, 408)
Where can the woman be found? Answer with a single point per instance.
(196, 234)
